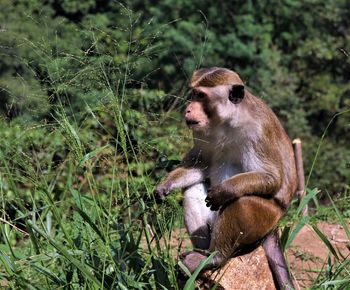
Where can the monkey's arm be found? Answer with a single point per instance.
(179, 178)
(248, 183)
(191, 171)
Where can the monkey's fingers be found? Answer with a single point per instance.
(211, 204)
(207, 201)
(160, 193)
(159, 199)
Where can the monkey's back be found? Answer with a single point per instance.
(276, 147)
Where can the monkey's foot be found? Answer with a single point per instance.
(192, 260)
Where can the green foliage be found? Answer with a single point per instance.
(293, 54)
(90, 100)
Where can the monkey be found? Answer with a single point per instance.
(238, 178)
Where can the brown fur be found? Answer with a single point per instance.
(243, 137)
(244, 222)
(215, 76)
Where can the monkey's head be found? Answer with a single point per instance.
(217, 94)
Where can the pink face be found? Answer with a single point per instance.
(213, 106)
(196, 113)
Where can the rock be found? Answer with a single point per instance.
(247, 272)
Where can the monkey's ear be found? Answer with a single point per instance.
(236, 94)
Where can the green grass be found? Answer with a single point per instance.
(78, 225)
(77, 208)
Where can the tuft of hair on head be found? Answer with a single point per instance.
(214, 76)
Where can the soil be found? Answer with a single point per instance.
(308, 254)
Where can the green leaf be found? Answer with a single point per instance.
(92, 154)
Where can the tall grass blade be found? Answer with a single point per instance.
(69, 257)
(325, 241)
(87, 219)
(33, 238)
(92, 154)
(340, 217)
(9, 266)
(337, 283)
(190, 284)
(284, 236)
(304, 220)
(47, 273)
(311, 193)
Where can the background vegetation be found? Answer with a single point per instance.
(91, 94)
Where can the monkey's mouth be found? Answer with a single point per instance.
(191, 123)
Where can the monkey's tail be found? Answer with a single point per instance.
(300, 172)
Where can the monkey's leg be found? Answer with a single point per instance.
(277, 261)
(198, 217)
(243, 223)
(193, 259)
(240, 224)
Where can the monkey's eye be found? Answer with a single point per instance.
(198, 95)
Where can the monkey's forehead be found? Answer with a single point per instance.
(217, 90)
(215, 76)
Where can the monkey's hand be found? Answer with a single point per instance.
(217, 196)
(161, 192)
